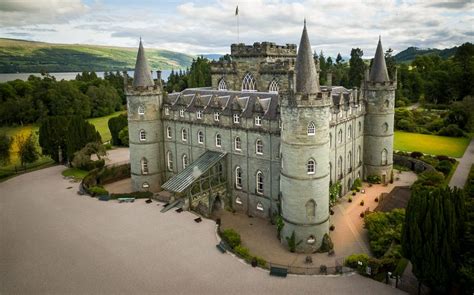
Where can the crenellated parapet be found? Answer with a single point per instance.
(278, 67)
(263, 49)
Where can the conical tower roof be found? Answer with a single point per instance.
(378, 72)
(306, 75)
(142, 76)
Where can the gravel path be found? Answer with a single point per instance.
(53, 241)
(460, 175)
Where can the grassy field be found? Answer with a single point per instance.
(431, 144)
(75, 173)
(101, 124)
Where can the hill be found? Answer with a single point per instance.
(28, 56)
(411, 53)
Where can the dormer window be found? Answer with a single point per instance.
(141, 110)
(181, 113)
(216, 116)
(236, 119)
(199, 114)
(258, 121)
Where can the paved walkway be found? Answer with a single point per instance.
(53, 241)
(460, 175)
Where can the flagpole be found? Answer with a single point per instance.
(238, 25)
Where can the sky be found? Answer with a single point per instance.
(210, 26)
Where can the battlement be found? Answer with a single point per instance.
(263, 49)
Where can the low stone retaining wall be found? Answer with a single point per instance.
(411, 163)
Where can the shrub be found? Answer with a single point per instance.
(353, 193)
(429, 178)
(136, 195)
(332, 227)
(98, 191)
(416, 155)
(451, 130)
(108, 146)
(349, 200)
(444, 167)
(292, 244)
(362, 203)
(352, 260)
(231, 237)
(242, 252)
(326, 244)
(260, 261)
(442, 158)
(384, 228)
(357, 184)
(331, 211)
(374, 179)
(361, 214)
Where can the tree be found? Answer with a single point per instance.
(123, 136)
(104, 100)
(356, 67)
(390, 62)
(115, 125)
(53, 133)
(80, 132)
(27, 150)
(5, 145)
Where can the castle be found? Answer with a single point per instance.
(265, 140)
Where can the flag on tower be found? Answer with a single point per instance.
(237, 10)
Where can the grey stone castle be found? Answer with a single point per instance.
(265, 140)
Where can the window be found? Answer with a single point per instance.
(259, 147)
(259, 182)
(273, 88)
(200, 137)
(349, 132)
(311, 240)
(359, 155)
(237, 144)
(236, 119)
(184, 134)
(238, 177)
(141, 110)
(259, 206)
(340, 135)
(311, 166)
(360, 127)
(168, 132)
(339, 167)
(142, 135)
(349, 158)
(144, 164)
(218, 140)
(330, 172)
(384, 157)
(169, 158)
(330, 140)
(248, 83)
(238, 200)
(145, 185)
(185, 161)
(199, 114)
(385, 127)
(258, 121)
(181, 113)
(216, 116)
(167, 111)
(311, 129)
(222, 85)
(310, 209)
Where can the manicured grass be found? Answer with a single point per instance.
(101, 124)
(431, 144)
(13, 169)
(75, 173)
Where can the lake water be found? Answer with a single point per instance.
(5, 77)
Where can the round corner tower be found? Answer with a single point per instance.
(304, 177)
(144, 101)
(379, 92)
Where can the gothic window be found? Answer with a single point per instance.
(311, 129)
(359, 155)
(310, 209)
(181, 113)
(169, 158)
(218, 140)
(340, 135)
(216, 116)
(259, 182)
(200, 137)
(199, 114)
(237, 144)
(259, 206)
(238, 200)
(238, 177)
(360, 127)
(387, 103)
(384, 157)
(330, 140)
(236, 119)
(222, 85)
(249, 83)
(273, 88)
(259, 147)
(167, 111)
(141, 110)
(258, 121)
(349, 132)
(168, 132)
(185, 161)
(311, 166)
(184, 134)
(142, 135)
(339, 167)
(385, 127)
(349, 158)
(144, 163)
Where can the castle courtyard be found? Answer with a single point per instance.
(56, 241)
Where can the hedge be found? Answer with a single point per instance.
(231, 237)
(136, 195)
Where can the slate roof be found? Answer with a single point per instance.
(186, 178)
(142, 75)
(378, 72)
(306, 76)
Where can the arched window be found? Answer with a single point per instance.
(359, 155)
(340, 135)
(145, 185)
(330, 140)
(142, 135)
(349, 132)
(311, 128)
(259, 147)
(259, 206)
(144, 163)
(349, 158)
(310, 209)
(238, 177)
(181, 113)
(237, 144)
(168, 132)
(185, 161)
(311, 166)
(238, 200)
(273, 87)
(169, 159)
(339, 167)
(384, 157)
(184, 134)
(218, 140)
(222, 85)
(249, 83)
(330, 172)
(200, 137)
(259, 182)
(385, 127)
(141, 110)
(387, 103)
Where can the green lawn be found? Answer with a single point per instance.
(431, 144)
(101, 124)
(75, 173)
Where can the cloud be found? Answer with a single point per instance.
(451, 4)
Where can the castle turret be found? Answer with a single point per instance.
(304, 178)
(379, 93)
(144, 100)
